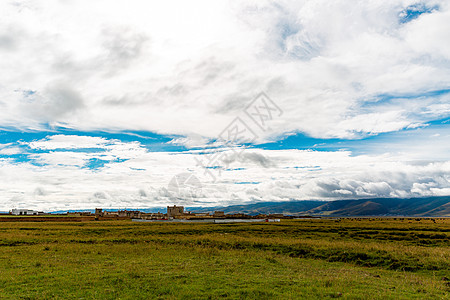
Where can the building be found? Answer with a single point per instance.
(25, 212)
(219, 214)
(276, 216)
(110, 214)
(133, 214)
(238, 216)
(79, 213)
(175, 211)
(153, 216)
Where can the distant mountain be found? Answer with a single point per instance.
(264, 207)
(415, 207)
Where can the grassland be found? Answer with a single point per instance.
(348, 259)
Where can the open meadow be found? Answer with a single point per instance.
(383, 258)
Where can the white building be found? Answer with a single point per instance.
(25, 212)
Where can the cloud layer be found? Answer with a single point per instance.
(337, 69)
(363, 80)
(73, 172)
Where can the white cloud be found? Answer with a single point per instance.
(189, 68)
(9, 149)
(62, 141)
(134, 177)
(193, 141)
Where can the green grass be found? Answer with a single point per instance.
(349, 259)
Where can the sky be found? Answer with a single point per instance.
(139, 104)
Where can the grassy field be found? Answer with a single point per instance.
(348, 259)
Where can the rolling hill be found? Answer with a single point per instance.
(415, 207)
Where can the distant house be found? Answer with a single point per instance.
(129, 213)
(276, 216)
(118, 214)
(174, 211)
(219, 214)
(79, 213)
(25, 212)
(153, 216)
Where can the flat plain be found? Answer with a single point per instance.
(349, 258)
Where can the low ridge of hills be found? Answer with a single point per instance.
(414, 207)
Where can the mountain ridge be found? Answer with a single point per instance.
(437, 206)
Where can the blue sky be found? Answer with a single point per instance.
(428, 136)
(102, 105)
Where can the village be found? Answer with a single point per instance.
(174, 213)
